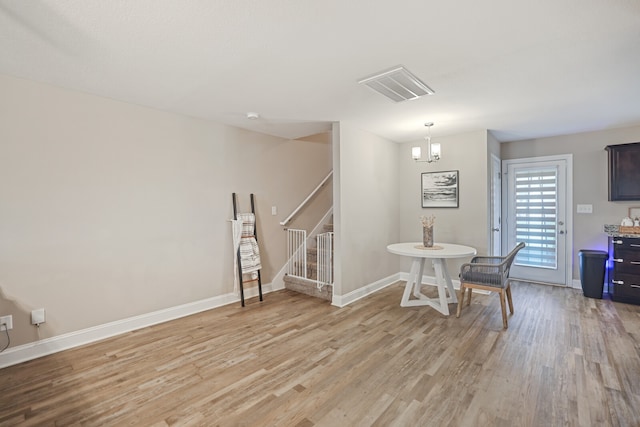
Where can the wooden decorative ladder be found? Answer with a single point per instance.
(253, 235)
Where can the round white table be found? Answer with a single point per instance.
(438, 256)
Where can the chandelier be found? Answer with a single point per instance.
(433, 149)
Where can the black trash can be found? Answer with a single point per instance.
(592, 272)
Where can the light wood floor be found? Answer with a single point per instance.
(293, 360)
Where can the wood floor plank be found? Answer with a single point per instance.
(293, 360)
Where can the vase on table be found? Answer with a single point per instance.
(427, 236)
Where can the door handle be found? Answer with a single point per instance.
(618, 282)
(561, 232)
(495, 229)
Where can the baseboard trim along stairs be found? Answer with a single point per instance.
(308, 287)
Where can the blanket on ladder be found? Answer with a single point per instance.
(245, 241)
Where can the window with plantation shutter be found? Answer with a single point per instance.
(536, 216)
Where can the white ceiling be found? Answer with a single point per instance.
(520, 68)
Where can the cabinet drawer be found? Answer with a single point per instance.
(626, 285)
(625, 243)
(629, 255)
(626, 261)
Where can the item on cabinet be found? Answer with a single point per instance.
(634, 212)
(627, 222)
(628, 230)
(624, 276)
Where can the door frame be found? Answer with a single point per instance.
(568, 247)
(495, 201)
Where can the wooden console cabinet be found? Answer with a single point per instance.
(624, 276)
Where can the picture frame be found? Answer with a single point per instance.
(440, 189)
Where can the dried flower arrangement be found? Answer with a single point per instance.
(427, 221)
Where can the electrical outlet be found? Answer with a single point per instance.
(6, 322)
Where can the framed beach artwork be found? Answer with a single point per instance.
(440, 189)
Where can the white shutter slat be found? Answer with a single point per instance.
(536, 217)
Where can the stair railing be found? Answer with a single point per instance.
(325, 259)
(297, 253)
(299, 266)
(309, 197)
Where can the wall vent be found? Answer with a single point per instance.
(397, 84)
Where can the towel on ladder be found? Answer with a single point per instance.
(236, 229)
(245, 241)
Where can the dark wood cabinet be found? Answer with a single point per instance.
(624, 276)
(624, 171)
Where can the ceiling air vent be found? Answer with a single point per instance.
(397, 84)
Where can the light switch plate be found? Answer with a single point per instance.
(584, 209)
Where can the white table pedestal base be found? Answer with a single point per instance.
(444, 284)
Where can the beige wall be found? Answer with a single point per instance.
(366, 206)
(110, 210)
(377, 202)
(589, 180)
(467, 224)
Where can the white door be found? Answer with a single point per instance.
(536, 214)
(496, 207)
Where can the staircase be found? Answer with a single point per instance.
(313, 285)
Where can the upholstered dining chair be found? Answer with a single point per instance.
(489, 273)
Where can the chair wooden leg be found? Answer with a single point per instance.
(469, 291)
(504, 309)
(461, 299)
(509, 298)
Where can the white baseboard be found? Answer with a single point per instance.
(343, 300)
(44, 347)
(431, 280)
